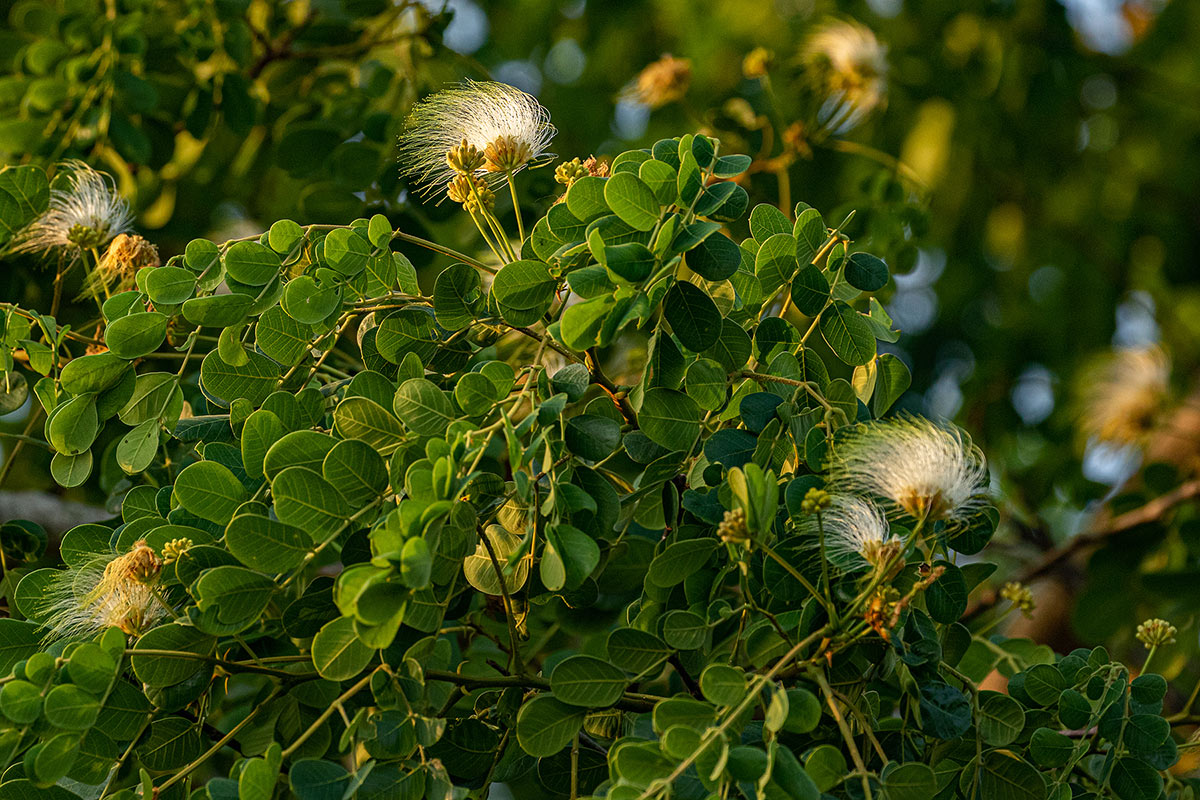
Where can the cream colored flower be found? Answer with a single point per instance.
(110, 590)
(847, 67)
(856, 532)
(931, 471)
(86, 213)
(117, 271)
(452, 129)
(1122, 395)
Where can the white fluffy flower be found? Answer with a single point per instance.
(930, 471)
(507, 127)
(1123, 394)
(856, 532)
(87, 212)
(848, 66)
(107, 591)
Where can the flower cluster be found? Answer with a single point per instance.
(85, 212)
(477, 127)
(107, 591)
(847, 67)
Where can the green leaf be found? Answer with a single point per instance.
(669, 418)
(723, 685)
(266, 545)
(346, 251)
(210, 491)
(305, 500)
(357, 471)
(591, 436)
(693, 316)
(71, 708)
(810, 290)
(365, 420)
(217, 310)
(284, 235)
(945, 711)
(169, 286)
(317, 779)
(231, 598)
(767, 220)
(946, 598)
(587, 681)
(636, 651)
(632, 261)
(632, 200)
(24, 194)
(424, 407)
(847, 334)
(775, 263)
(137, 449)
(251, 263)
(910, 782)
(706, 383)
(21, 702)
(804, 711)
(1134, 779)
(679, 560)
(684, 630)
(74, 426)
(716, 258)
(545, 725)
(892, 379)
(92, 374)
(1001, 718)
(136, 335)
(1005, 776)
(661, 178)
(306, 302)
(1050, 748)
(337, 653)
(585, 198)
(252, 381)
(71, 471)
(455, 294)
(866, 272)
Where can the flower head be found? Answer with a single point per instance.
(86, 212)
(1020, 596)
(1156, 632)
(931, 471)
(109, 590)
(477, 127)
(1123, 394)
(661, 83)
(847, 67)
(117, 270)
(856, 532)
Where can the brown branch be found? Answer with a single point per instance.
(1118, 524)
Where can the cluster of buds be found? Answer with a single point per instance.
(815, 501)
(1156, 632)
(1020, 596)
(568, 172)
(506, 154)
(465, 158)
(733, 527)
(173, 549)
(886, 604)
(472, 192)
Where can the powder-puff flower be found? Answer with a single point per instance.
(85, 213)
(660, 83)
(117, 270)
(486, 128)
(1123, 394)
(847, 67)
(931, 471)
(109, 590)
(856, 533)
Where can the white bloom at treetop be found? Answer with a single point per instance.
(87, 212)
(509, 128)
(855, 531)
(107, 591)
(848, 67)
(931, 471)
